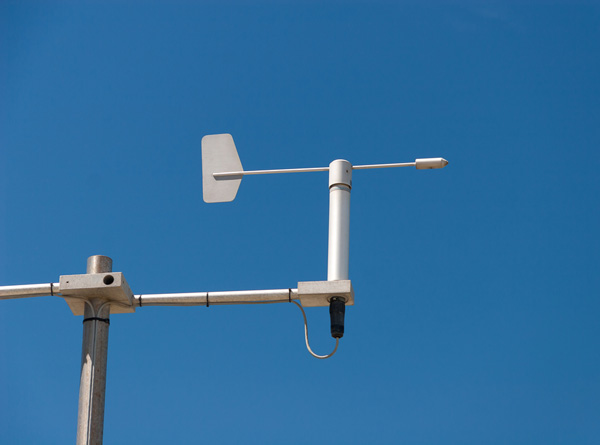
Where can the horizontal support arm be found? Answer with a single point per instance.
(216, 298)
(29, 290)
(77, 288)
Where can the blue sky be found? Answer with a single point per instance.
(476, 316)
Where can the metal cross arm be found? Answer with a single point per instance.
(309, 293)
(113, 289)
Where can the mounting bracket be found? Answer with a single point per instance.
(111, 287)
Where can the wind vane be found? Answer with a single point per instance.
(100, 291)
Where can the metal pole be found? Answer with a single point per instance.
(340, 183)
(90, 419)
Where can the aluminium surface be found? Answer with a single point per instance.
(97, 285)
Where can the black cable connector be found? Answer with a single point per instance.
(337, 310)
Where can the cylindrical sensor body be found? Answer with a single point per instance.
(340, 183)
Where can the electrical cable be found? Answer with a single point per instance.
(337, 340)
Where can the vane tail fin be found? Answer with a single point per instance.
(220, 155)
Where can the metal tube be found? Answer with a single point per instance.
(29, 290)
(269, 172)
(365, 167)
(90, 419)
(99, 264)
(419, 163)
(340, 183)
(229, 297)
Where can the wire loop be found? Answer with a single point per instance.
(337, 340)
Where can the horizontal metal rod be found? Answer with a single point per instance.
(365, 167)
(269, 172)
(230, 297)
(29, 290)
(304, 170)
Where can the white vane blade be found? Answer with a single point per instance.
(220, 155)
